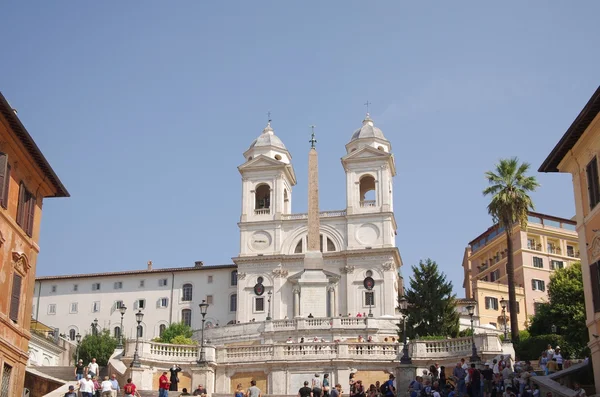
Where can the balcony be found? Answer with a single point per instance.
(554, 250)
(322, 214)
(573, 254)
(262, 211)
(368, 203)
(535, 247)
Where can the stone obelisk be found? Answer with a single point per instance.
(313, 282)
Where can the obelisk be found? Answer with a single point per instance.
(313, 282)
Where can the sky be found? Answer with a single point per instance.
(144, 109)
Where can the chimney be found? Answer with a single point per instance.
(149, 265)
(198, 264)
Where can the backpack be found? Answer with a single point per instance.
(128, 389)
(385, 388)
(476, 377)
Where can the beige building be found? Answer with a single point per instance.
(549, 243)
(577, 153)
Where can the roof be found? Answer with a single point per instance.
(575, 131)
(268, 138)
(368, 130)
(465, 300)
(31, 147)
(135, 272)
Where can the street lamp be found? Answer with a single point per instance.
(403, 302)
(474, 356)
(504, 303)
(122, 309)
(270, 293)
(78, 339)
(139, 316)
(553, 328)
(203, 310)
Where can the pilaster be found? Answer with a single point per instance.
(204, 375)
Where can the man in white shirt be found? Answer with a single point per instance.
(496, 367)
(93, 368)
(86, 386)
(106, 387)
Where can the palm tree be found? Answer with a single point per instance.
(510, 204)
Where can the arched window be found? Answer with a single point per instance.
(286, 202)
(263, 198)
(161, 329)
(72, 334)
(233, 303)
(233, 281)
(186, 317)
(330, 245)
(140, 331)
(117, 332)
(298, 249)
(187, 292)
(367, 191)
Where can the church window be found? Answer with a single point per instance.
(209, 299)
(187, 292)
(249, 158)
(330, 245)
(140, 331)
(286, 202)
(263, 197)
(367, 191)
(369, 298)
(277, 157)
(117, 332)
(71, 334)
(186, 317)
(259, 304)
(234, 278)
(161, 329)
(380, 148)
(369, 273)
(298, 249)
(233, 303)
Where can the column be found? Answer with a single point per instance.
(331, 292)
(296, 302)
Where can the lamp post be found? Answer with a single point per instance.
(405, 359)
(139, 316)
(504, 303)
(203, 310)
(270, 293)
(553, 328)
(474, 356)
(78, 339)
(95, 327)
(122, 309)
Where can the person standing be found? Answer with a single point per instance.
(129, 389)
(79, 369)
(253, 391)
(239, 392)
(71, 392)
(93, 368)
(559, 358)
(388, 389)
(326, 387)
(336, 391)
(106, 387)
(115, 385)
(86, 386)
(305, 391)
(163, 385)
(317, 386)
(488, 380)
(175, 370)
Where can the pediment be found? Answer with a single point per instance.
(261, 161)
(366, 152)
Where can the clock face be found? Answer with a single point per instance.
(369, 283)
(259, 289)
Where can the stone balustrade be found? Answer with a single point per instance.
(322, 214)
(166, 352)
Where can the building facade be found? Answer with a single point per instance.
(578, 153)
(26, 178)
(549, 243)
(72, 303)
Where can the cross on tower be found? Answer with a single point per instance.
(269, 115)
(312, 137)
(367, 105)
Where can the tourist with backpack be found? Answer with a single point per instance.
(130, 390)
(388, 389)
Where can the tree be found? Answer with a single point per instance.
(431, 304)
(100, 347)
(565, 309)
(510, 204)
(177, 333)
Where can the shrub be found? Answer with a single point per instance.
(182, 340)
(531, 348)
(174, 330)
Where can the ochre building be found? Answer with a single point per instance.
(26, 179)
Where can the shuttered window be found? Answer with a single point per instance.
(26, 210)
(595, 286)
(15, 298)
(4, 179)
(593, 182)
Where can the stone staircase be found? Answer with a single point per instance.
(154, 393)
(66, 373)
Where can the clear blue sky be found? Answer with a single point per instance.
(145, 108)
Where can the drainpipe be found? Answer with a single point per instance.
(171, 302)
(37, 305)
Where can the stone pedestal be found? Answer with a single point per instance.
(203, 375)
(405, 373)
(141, 378)
(313, 293)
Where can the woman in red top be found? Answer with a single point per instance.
(163, 385)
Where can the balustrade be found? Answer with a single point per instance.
(322, 214)
(368, 203)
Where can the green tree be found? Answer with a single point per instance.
(100, 347)
(510, 204)
(565, 309)
(177, 333)
(431, 304)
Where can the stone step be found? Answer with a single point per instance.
(66, 373)
(154, 393)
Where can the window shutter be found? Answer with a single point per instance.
(15, 298)
(533, 284)
(3, 176)
(30, 215)
(595, 287)
(543, 285)
(20, 209)
(135, 305)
